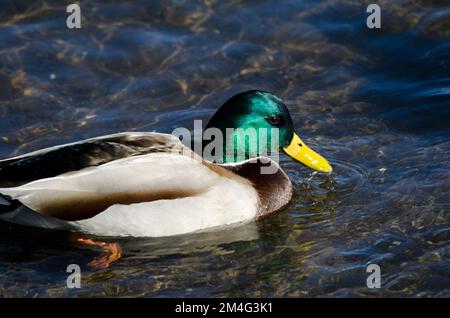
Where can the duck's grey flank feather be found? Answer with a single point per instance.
(57, 160)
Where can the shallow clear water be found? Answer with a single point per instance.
(375, 102)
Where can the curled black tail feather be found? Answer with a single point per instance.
(7, 204)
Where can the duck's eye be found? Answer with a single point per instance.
(274, 119)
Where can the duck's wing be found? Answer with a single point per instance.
(90, 191)
(54, 161)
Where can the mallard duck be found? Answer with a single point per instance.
(148, 184)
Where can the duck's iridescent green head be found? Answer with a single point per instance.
(258, 123)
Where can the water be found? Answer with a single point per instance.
(374, 102)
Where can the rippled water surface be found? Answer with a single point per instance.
(375, 102)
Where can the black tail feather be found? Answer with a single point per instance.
(7, 204)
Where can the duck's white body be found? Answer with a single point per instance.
(154, 194)
(212, 200)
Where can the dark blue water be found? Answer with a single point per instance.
(375, 102)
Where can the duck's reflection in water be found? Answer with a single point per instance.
(150, 248)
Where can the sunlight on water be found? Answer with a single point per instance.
(375, 102)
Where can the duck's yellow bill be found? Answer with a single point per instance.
(299, 151)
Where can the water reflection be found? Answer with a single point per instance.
(373, 101)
